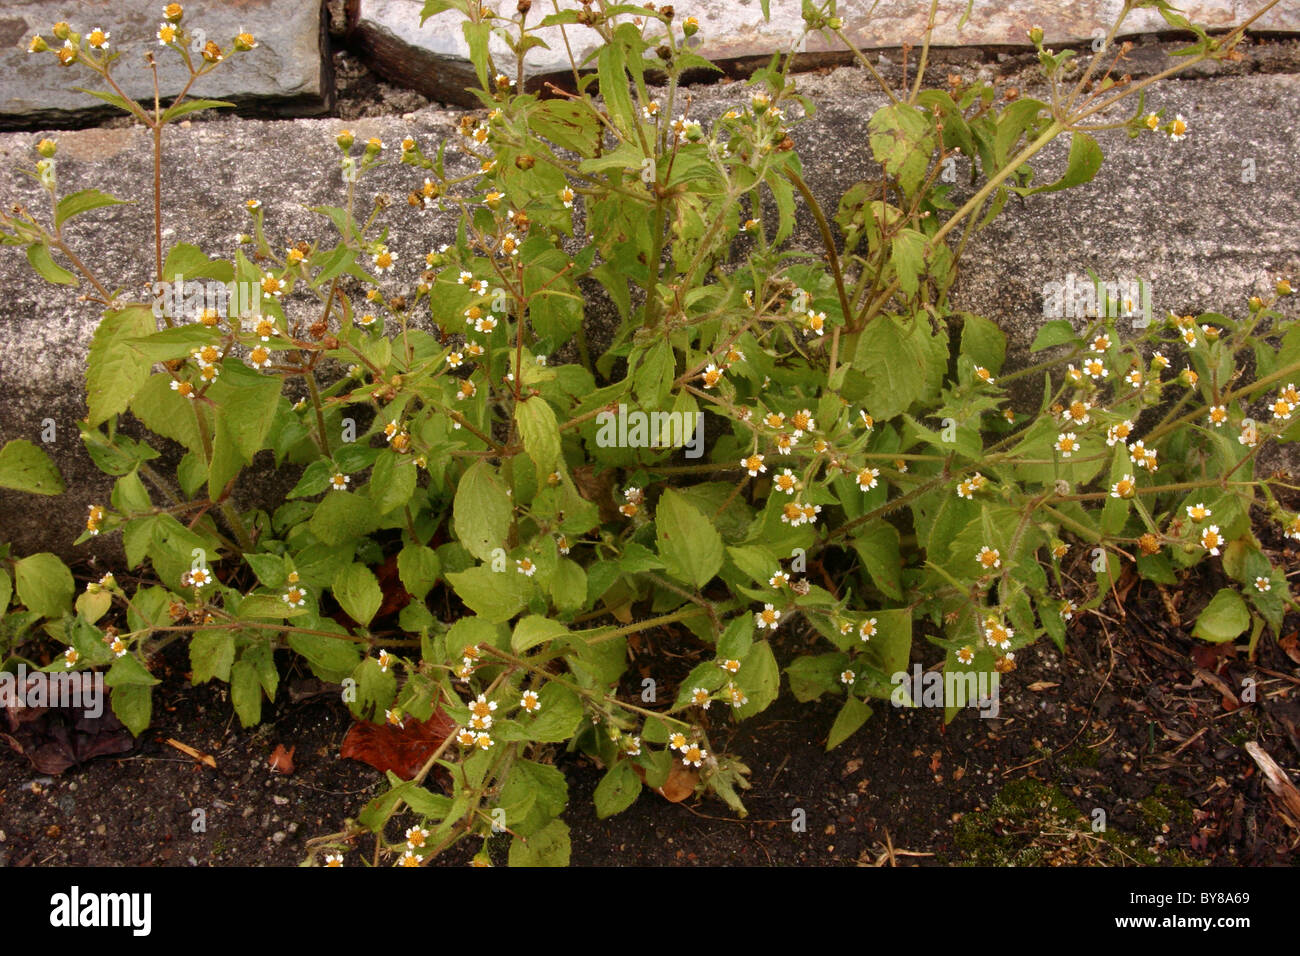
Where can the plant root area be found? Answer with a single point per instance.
(1128, 749)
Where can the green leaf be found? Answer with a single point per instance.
(331, 658)
(812, 676)
(129, 671)
(891, 647)
(375, 688)
(983, 342)
(1224, 618)
(246, 693)
(559, 716)
(481, 511)
(44, 584)
(533, 630)
(168, 413)
(25, 467)
(540, 432)
(617, 790)
(852, 715)
(654, 375)
(261, 655)
(133, 706)
(1056, 332)
(895, 363)
(130, 495)
(477, 35)
(76, 203)
(267, 607)
(173, 343)
(111, 98)
(1085, 159)
(759, 678)
(184, 108)
(611, 69)
(877, 547)
(494, 595)
(246, 401)
(211, 655)
(902, 141)
(392, 482)
(569, 585)
(907, 257)
(114, 372)
(38, 254)
(341, 517)
(269, 568)
(547, 847)
(687, 540)
(358, 593)
(418, 567)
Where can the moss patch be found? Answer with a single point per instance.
(1032, 823)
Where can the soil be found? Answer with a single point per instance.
(1125, 721)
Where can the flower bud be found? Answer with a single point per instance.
(173, 12)
(38, 45)
(345, 140)
(1283, 286)
(47, 148)
(690, 26)
(62, 31)
(1036, 35)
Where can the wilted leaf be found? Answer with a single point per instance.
(281, 760)
(403, 750)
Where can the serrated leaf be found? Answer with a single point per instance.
(38, 254)
(481, 511)
(687, 540)
(617, 790)
(85, 200)
(358, 592)
(25, 467)
(44, 584)
(115, 372)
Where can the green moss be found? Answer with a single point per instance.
(1032, 823)
(1080, 756)
(1165, 807)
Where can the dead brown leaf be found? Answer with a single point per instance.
(1291, 645)
(402, 750)
(1043, 685)
(1230, 701)
(680, 784)
(1276, 778)
(281, 760)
